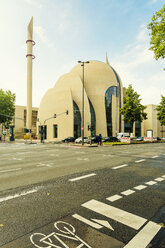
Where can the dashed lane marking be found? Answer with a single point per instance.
(155, 156)
(139, 161)
(159, 179)
(151, 183)
(143, 238)
(43, 165)
(16, 169)
(82, 177)
(114, 198)
(140, 187)
(109, 155)
(128, 192)
(83, 159)
(19, 159)
(116, 214)
(18, 195)
(120, 166)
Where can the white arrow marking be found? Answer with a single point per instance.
(116, 214)
(104, 223)
(86, 221)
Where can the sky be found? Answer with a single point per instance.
(66, 31)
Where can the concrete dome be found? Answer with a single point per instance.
(98, 78)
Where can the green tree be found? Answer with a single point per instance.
(157, 28)
(7, 107)
(132, 110)
(161, 111)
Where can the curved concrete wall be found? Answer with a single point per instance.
(98, 77)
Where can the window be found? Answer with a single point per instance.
(108, 107)
(77, 120)
(93, 119)
(56, 131)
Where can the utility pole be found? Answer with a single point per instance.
(82, 119)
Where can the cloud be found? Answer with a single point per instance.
(36, 3)
(138, 67)
(153, 1)
(41, 33)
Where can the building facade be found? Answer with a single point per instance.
(20, 121)
(103, 97)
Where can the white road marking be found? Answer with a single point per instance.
(104, 223)
(15, 159)
(42, 165)
(140, 187)
(120, 166)
(114, 198)
(151, 183)
(16, 169)
(163, 176)
(139, 161)
(128, 192)
(82, 177)
(84, 159)
(143, 238)
(116, 214)
(104, 155)
(90, 223)
(54, 155)
(17, 195)
(155, 156)
(159, 179)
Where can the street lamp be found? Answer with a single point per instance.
(82, 121)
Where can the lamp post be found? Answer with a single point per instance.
(82, 121)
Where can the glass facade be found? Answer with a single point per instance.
(77, 120)
(93, 119)
(127, 127)
(108, 107)
(137, 128)
(119, 95)
(55, 131)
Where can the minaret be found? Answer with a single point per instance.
(30, 56)
(107, 61)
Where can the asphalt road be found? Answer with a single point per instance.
(69, 196)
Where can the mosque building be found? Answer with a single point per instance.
(103, 97)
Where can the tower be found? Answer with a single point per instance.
(30, 43)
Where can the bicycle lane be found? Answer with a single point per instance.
(62, 234)
(94, 223)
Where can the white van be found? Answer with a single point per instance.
(121, 135)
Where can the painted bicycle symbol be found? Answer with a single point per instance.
(55, 239)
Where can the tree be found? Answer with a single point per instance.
(161, 111)
(132, 110)
(7, 107)
(157, 27)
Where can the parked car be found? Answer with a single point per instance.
(110, 139)
(93, 140)
(79, 140)
(140, 139)
(163, 138)
(157, 138)
(69, 139)
(121, 135)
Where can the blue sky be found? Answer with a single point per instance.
(66, 31)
